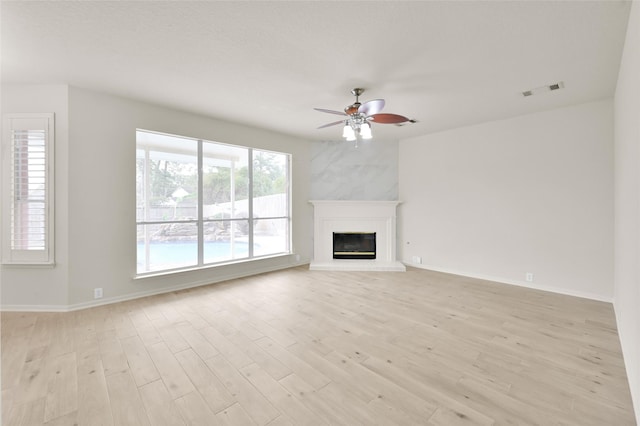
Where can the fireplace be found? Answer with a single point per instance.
(354, 245)
(371, 223)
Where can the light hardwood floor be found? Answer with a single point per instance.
(296, 347)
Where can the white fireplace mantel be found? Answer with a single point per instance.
(355, 216)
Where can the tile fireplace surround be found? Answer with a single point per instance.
(355, 216)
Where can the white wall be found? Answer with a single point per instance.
(527, 194)
(42, 287)
(101, 202)
(627, 204)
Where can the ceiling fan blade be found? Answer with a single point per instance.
(330, 111)
(371, 107)
(389, 118)
(331, 124)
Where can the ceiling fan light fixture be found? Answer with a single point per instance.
(365, 131)
(348, 133)
(346, 130)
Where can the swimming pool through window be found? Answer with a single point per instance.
(201, 203)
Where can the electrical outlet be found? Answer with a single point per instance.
(417, 259)
(97, 293)
(297, 258)
(528, 277)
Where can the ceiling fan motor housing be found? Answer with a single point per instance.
(352, 109)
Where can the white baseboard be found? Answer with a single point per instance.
(629, 356)
(183, 286)
(33, 308)
(137, 295)
(551, 289)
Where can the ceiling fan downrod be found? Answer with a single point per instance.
(353, 108)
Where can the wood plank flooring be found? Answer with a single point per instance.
(299, 347)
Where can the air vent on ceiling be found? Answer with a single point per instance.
(542, 89)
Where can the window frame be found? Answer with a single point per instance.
(28, 257)
(201, 221)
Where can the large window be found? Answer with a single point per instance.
(27, 202)
(202, 203)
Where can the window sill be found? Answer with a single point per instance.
(16, 265)
(208, 267)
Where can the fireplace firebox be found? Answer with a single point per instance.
(354, 245)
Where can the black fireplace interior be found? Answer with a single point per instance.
(354, 245)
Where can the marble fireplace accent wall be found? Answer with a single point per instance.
(339, 171)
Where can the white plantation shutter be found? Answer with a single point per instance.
(28, 189)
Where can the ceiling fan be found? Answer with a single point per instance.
(358, 116)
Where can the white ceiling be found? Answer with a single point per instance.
(269, 63)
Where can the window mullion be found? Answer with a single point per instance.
(200, 205)
(147, 207)
(250, 201)
(289, 207)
